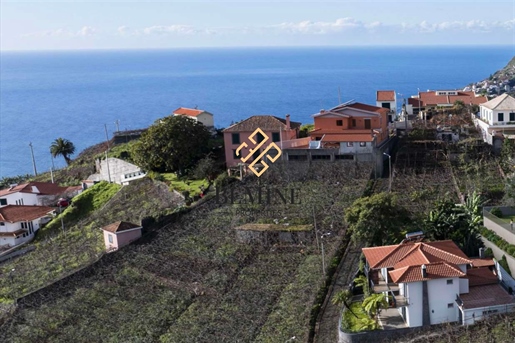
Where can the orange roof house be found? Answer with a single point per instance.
(35, 193)
(119, 234)
(387, 99)
(435, 282)
(19, 223)
(200, 116)
(433, 99)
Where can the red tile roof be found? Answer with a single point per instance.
(406, 254)
(482, 262)
(369, 108)
(20, 213)
(385, 96)
(481, 276)
(120, 226)
(41, 188)
(347, 138)
(438, 270)
(264, 122)
(431, 99)
(191, 112)
(484, 296)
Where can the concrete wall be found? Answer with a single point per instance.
(497, 225)
(498, 254)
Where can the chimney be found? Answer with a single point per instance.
(287, 122)
(424, 272)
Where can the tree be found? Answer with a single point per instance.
(206, 168)
(62, 147)
(304, 130)
(362, 281)
(507, 150)
(343, 297)
(172, 144)
(374, 303)
(376, 219)
(459, 105)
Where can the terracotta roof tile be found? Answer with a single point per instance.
(191, 112)
(438, 270)
(41, 188)
(385, 96)
(120, 226)
(375, 255)
(487, 295)
(19, 213)
(264, 122)
(482, 262)
(431, 99)
(481, 276)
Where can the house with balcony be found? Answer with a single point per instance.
(36, 193)
(350, 131)
(435, 282)
(197, 115)
(19, 223)
(238, 143)
(388, 100)
(496, 120)
(432, 100)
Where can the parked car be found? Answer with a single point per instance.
(62, 202)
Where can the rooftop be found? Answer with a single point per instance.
(484, 296)
(191, 112)
(264, 122)
(385, 96)
(436, 270)
(503, 102)
(41, 188)
(19, 213)
(431, 98)
(120, 226)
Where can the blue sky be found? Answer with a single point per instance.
(38, 25)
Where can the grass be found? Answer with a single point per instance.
(349, 322)
(183, 184)
(275, 227)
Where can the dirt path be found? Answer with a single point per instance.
(328, 328)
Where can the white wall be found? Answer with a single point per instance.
(414, 309)
(473, 315)
(11, 227)
(21, 199)
(464, 286)
(206, 119)
(440, 294)
(117, 168)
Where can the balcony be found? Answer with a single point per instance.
(392, 289)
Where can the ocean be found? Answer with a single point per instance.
(73, 94)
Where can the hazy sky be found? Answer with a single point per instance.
(39, 25)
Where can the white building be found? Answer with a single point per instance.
(19, 223)
(115, 170)
(435, 282)
(35, 193)
(387, 99)
(497, 119)
(200, 116)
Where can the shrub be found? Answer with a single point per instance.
(489, 253)
(223, 180)
(496, 211)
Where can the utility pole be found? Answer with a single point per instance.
(52, 168)
(33, 160)
(117, 122)
(107, 161)
(390, 171)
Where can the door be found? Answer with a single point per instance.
(367, 124)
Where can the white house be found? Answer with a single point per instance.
(35, 193)
(201, 116)
(387, 99)
(18, 223)
(497, 119)
(435, 282)
(115, 170)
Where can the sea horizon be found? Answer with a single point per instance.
(46, 94)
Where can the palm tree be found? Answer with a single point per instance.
(342, 298)
(374, 303)
(63, 147)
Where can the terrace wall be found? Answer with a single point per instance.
(499, 226)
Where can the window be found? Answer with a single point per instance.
(353, 122)
(297, 158)
(385, 105)
(449, 282)
(368, 124)
(259, 137)
(339, 123)
(3, 202)
(235, 138)
(110, 238)
(321, 157)
(343, 157)
(500, 116)
(362, 144)
(318, 138)
(350, 144)
(450, 305)
(2, 224)
(276, 137)
(512, 118)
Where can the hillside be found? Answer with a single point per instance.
(497, 83)
(191, 281)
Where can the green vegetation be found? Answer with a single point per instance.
(499, 241)
(351, 323)
(184, 184)
(172, 144)
(62, 147)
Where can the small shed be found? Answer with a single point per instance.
(119, 234)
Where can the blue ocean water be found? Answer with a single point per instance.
(72, 94)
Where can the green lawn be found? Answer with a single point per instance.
(183, 184)
(349, 322)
